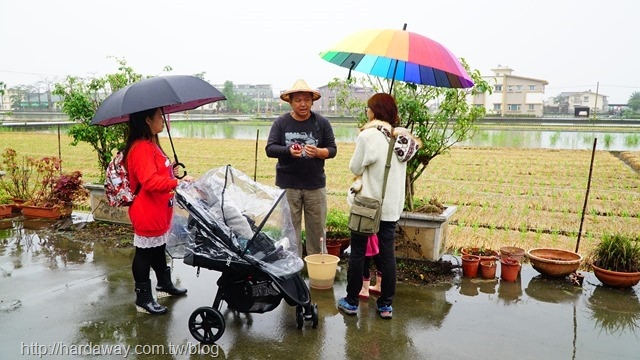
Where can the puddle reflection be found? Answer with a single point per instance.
(510, 292)
(31, 239)
(614, 311)
(47, 270)
(553, 291)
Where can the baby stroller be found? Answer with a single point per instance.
(229, 223)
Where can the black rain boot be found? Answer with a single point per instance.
(145, 302)
(165, 286)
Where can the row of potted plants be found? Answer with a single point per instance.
(38, 186)
(615, 260)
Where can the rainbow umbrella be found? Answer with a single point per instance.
(399, 55)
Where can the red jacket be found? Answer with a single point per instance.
(152, 209)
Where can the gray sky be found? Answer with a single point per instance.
(573, 44)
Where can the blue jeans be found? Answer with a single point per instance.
(385, 263)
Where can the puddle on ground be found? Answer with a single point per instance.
(57, 290)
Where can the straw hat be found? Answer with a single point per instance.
(299, 86)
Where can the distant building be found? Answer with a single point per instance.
(25, 100)
(328, 104)
(568, 102)
(262, 94)
(512, 94)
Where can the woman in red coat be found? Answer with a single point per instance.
(151, 172)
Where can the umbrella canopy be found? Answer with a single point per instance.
(172, 93)
(399, 55)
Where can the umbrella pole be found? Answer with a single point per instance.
(404, 28)
(586, 196)
(175, 156)
(353, 63)
(255, 161)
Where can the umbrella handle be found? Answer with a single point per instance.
(353, 63)
(175, 156)
(179, 164)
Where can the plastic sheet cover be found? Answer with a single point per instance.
(241, 219)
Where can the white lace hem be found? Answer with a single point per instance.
(150, 241)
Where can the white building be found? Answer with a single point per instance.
(512, 95)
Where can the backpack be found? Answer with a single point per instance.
(116, 184)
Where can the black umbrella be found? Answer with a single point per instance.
(172, 94)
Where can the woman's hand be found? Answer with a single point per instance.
(188, 178)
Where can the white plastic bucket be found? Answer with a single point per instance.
(322, 270)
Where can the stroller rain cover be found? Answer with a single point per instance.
(241, 218)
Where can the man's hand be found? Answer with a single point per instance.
(315, 152)
(296, 150)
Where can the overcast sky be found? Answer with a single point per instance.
(573, 44)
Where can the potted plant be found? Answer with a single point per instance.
(337, 230)
(484, 253)
(54, 192)
(616, 260)
(18, 171)
(6, 204)
(439, 127)
(488, 269)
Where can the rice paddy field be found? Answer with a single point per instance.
(504, 196)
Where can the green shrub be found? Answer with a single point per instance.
(618, 253)
(337, 224)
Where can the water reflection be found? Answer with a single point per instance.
(553, 291)
(548, 139)
(509, 292)
(615, 311)
(30, 239)
(431, 308)
(89, 298)
(346, 132)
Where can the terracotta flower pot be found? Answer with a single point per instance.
(554, 262)
(17, 205)
(484, 254)
(6, 210)
(509, 269)
(45, 212)
(488, 269)
(512, 252)
(470, 265)
(616, 279)
(334, 248)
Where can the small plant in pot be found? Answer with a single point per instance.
(484, 253)
(337, 227)
(54, 189)
(6, 204)
(616, 260)
(5, 199)
(17, 180)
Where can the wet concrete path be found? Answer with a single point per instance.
(62, 296)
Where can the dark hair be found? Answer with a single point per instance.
(384, 108)
(139, 129)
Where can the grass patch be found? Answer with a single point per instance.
(505, 196)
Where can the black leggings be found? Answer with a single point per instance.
(147, 258)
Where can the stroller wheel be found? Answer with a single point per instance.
(314, 316)
(206, 324)
(299, 316)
